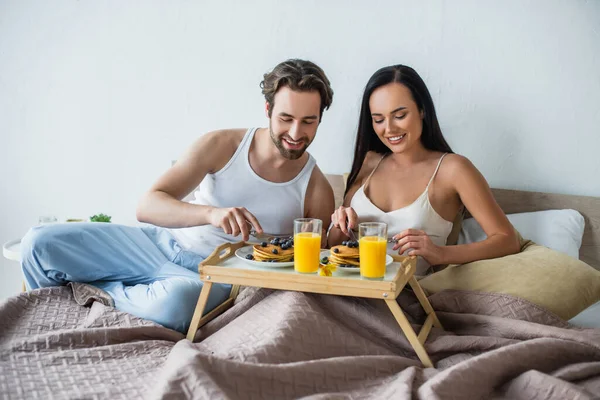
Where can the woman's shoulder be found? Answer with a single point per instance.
(369, 163)
(457, 168)
(371, 160)
(456, 162)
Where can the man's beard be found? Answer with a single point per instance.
(285, 152)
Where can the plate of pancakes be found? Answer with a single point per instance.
(276, 253)
(346, 257)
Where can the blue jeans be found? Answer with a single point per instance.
(143, 269)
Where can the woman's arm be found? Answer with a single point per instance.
(475, 194)
(477, 197)
(345, 218)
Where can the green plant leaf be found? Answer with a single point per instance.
(100, 218)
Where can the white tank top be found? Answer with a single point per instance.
(275, 205)
(417, 215)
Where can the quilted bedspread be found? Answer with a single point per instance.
(279, 344)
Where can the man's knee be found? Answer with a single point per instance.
(171, 302)
(34, 243)
(175, 307)
(42, 254)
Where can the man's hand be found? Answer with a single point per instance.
(344, 218)
(234, 220)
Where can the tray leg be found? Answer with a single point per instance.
(221, 308)
(418, 291)
(409, 332)
(235, 290)
(200, 306)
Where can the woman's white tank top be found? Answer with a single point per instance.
(417, 215)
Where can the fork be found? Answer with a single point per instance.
(264, 235)
(352, 235)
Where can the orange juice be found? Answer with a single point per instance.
(307, 250)
(372, 251)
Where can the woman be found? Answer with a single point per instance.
(405, 174)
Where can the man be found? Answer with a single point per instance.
(250, 180)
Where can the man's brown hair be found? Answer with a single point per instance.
(298, 75)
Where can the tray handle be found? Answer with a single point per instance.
(221, 253)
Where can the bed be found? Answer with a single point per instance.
(63, 342)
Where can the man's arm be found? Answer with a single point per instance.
(162, 204)
(319, 201)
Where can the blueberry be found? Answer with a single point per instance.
(336, 250)
(284, 247)
(249, 257)
(274, 251)
(264, 244)
(344, 243)
(324, 260)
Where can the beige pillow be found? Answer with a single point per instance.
(550, 279)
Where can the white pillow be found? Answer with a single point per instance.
(560, 230)
(588, 318)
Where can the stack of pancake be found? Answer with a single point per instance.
(269, 252)
(344, 256)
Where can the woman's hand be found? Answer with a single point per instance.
(418, 243)
(344, 218)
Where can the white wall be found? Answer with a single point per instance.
(97, 97)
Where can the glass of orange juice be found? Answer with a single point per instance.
(372, 245)
(307, 244)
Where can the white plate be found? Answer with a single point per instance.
(388, 261)
(242, 252)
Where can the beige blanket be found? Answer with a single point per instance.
(275, 344)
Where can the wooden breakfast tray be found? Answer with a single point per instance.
(222, 266)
